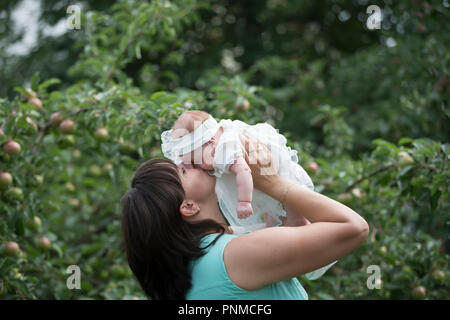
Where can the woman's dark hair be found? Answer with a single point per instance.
(159, 244)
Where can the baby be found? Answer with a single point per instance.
(197, 139)
(204, 156)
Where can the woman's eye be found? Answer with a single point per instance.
(183, 170)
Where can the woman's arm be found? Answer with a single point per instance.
(280, 253)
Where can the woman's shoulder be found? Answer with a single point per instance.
(210, 279)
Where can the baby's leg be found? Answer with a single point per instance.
(269, 221)
(294, 219)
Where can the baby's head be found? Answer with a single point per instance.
(186, 123)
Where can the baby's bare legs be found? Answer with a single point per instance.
(269, 221)
(294, 219)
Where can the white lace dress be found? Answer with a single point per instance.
(266, 210)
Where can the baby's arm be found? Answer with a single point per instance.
(244, 182)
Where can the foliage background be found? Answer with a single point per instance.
(347, 98)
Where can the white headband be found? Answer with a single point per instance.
(174, 148)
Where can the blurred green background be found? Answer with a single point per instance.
(368, 111)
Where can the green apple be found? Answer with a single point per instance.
(35, 223)
(31, 93)
(67, 141)
(76, 153)
(357, 193)
(438, 275)
(44, 243)
(67, 127)
(56, 119)
(313, 166)
(74, 202)
(36, 102)
(108, 166)
(5, 179)
(407, 270)
(15, 193)
(12, 249)
(32, 123)
(382, 250)
(38, 179)
(404, 159)
(126, 147)
(101, 134)
(345, 198)
(242, 104)
(69, 186)
(11, 147)
(95, 171)
(419, 293)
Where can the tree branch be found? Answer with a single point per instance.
(369, 175)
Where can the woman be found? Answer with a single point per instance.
(179, 246)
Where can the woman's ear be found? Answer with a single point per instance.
(189, 208)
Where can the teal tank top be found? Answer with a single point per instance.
(210, 280)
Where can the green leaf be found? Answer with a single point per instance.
(137, 50)
(92, 248)
(90, 182)
(434, 199)
(403, 141)
(47, 83)
(27, 107)
(21, 90)
(384, 143)
(404, 170)
(164, 97)
(20, 227)
(86, 286)
(35, 81)
(157, 95)
(384, 179)
(58, 249)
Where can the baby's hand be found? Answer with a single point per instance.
(244, 209)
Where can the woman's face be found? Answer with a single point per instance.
(202, 157)
(198, 185)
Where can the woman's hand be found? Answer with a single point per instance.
(266, 179)
(264, 170)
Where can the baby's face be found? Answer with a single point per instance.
(202, 157)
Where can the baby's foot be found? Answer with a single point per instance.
(244, 210)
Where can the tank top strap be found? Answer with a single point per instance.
(219, 246)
